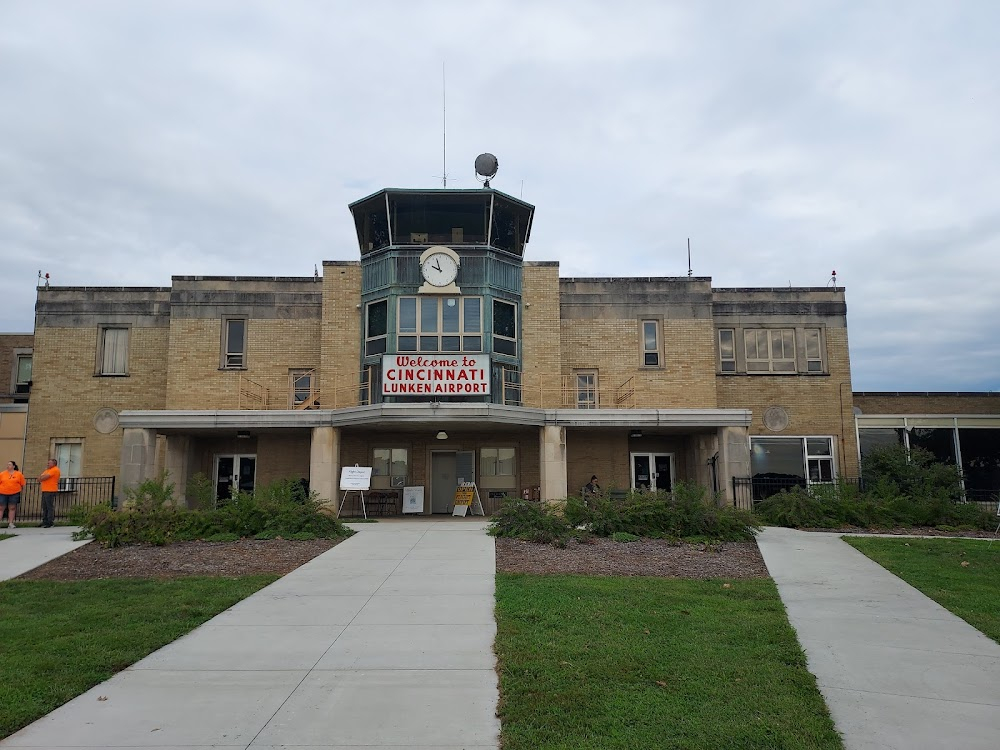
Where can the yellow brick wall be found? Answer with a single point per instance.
(612, 346)
(274, 346)
(66, 394)
(928, 403)
(816, 404)
(340, 330)
(540, 335)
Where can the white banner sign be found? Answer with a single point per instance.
(435, 375)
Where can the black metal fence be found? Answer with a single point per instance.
(748, 491)
(85, 491)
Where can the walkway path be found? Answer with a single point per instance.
(898, 671)
(385, 641)
(33, 546)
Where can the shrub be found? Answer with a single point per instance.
(530, 520)
(624, 536)
(278, 509)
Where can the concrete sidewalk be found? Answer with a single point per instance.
(897, 670)
(33, 546)
(385, 641)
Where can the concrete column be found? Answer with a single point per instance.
(324, 464)
(178, 463)
(703, 447)
(734, 458)
(553, 463)
(138, 457)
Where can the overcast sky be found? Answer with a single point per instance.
(140, 140)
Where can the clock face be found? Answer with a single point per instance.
(439, 269)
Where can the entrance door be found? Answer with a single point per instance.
(234, 470)
(652, 471)
(444, 480)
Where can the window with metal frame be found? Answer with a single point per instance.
(234, 343)
(769, 349)
(586, 389)
(22, 374)
(651, 343)
(68, 453)
(496, 462)
(113, 354)
(504, 328)
(814, 350)
(727, 350)
(439, 324)
(302, 390)
(376, 327)
(393, 463)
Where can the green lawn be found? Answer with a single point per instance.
(590, 662)
(935, 567)
(57, 640)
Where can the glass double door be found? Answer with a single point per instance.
(652, 471)
(234, 471)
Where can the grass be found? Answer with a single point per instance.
(936, 568)
(58, 639)
(7, 536)
(593, 662)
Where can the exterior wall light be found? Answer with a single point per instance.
(442, 435)
(635, 434)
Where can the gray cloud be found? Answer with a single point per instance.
(140, 140)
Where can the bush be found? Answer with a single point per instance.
(686, 512)
(149, 517)
(624, 536)
(530, 520)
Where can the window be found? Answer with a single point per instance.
(302, 388)
(113, 354)
(586, 389)
(68, 453)
(727, 350)
(22, 374)
(376, 327)
(393, 463)
(779, 463)
(440, 324)
(496, 462)
(504, 328)
(651, 343)
(770, 350)
(234, 343)
(814, 352)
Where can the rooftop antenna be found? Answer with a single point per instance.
(689, 257)
(41, 277)
(444, 130)
(486, 168)
(833, 280)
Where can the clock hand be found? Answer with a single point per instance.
(437, 265)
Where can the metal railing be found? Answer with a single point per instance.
(564, 392)
(84, 491)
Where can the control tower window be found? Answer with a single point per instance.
(439, 220)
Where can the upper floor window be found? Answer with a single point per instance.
(440, 324)
(504, 328)
(727, 350)
(770, 350)
(814, 351)
(22, 374)
(651, 343)
(586, 389)
(302, 388)
(376, 327)
(113, 353)
(234, 343)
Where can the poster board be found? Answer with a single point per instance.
(356, 478)
(467, 500)
(413, 499)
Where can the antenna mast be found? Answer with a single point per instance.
(444, 130)
(689, 257)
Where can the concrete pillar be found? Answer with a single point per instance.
(178, 463)
(324, 464)
(553, 463)
(734, 458)
(703, 447)
(138, 457)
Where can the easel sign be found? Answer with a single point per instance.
(467, 500)
(355, 479)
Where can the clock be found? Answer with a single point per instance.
(439, 268)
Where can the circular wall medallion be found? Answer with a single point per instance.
(776, 419)
(106, 420)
